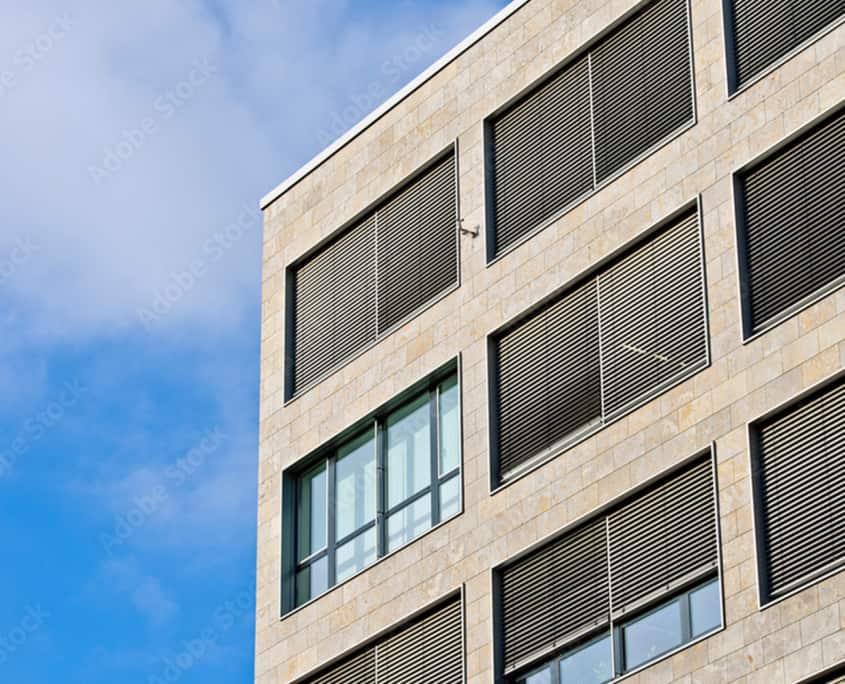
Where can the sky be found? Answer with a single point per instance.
(135, 142)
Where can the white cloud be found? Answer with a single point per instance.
(145, 592)
(134, 132)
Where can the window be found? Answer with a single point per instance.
(760, 32)
(798, 464)
(397, 476)
(600, 349)
(396, 259)
(791, 218)
(616, 592)
(427, 649)
(588, 121)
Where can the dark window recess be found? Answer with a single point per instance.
(761, 32)
(798, 460)
(791, 223)
(642, 85)
(637, 581)
(600, 349)
(372, 277)
(429, 649)
(589, 120)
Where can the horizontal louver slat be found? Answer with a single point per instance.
(335, 304)
(555, 591)
(417, 244)
(765, 31)
(429, 650)
(359, 669)
(793, 221)
(548, 377)
(642, 85)
(663, 536)
(542, 154)
(801, 475)
(652, 313)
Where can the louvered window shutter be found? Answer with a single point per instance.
(602, 349)
(642, 85)
(334, 304)
(589, 120)
(792, 223)
(549, 383)
(429, 650)
(359, 669)
(799, 481)
(542, 154)
(765, 31)
(663, 538)
(555, 592)
(373, 276)
(652, 314)
(417, 244)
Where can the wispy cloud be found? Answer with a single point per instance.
(144, 591)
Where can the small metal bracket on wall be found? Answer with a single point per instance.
(468, 231)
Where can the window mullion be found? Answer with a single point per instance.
(331, 520)
(686, 617)
(381, 489)
(434, 457)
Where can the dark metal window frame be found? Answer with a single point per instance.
(617, 636)
(327, 456)
(747, 331)
(289, 305)
(492, 255)
(734, 88)
(614, 620)
(497, 481)
(759, 513)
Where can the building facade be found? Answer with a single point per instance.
(553, 361)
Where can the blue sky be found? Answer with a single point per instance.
(137, 139)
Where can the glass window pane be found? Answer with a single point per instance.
(652, 635)
(311, 516)
(355, 474)
(356, 554)
(705, 608)
(312, 581)
(408, 451)
(543, 676)
(408, 522)
(450, 441)
(450, 497)
(589, 664)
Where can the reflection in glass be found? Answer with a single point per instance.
(705, 608)
(356, 485)
(408, 450)
(652, 635)
(355, 554)
(312, 512)
(408, 522)
(312, 580)
(543, 676)
(590, 664)
(450, 497)
(450, 444)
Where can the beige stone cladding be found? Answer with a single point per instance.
(783, 643)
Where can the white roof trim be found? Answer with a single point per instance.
(374, 116)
